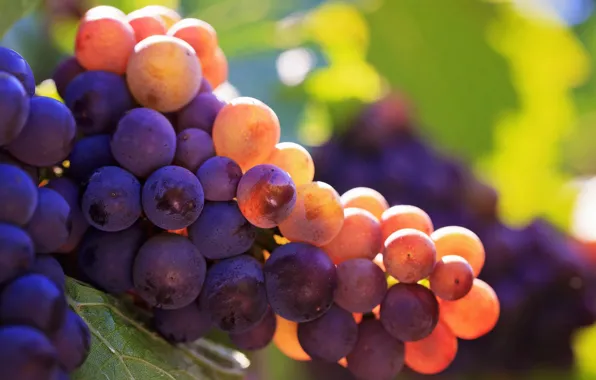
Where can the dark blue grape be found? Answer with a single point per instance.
(234, 294)
(18, 194)
(98, 99)
(169, 271)
(182, 325)
(48, 135)
(301, 280)
(200, 112)
(65, 72)
(193, 147)
(89, 154)
(16, 252)
(72, 341)
(222, 231)
(144, 141)
(72, 194)
(26, 354)
(6, 158)
(49, 267)
(33, 300)
(51, 222)
(14, 108)
(257, 337)
(106, 258)
(219, 176)
(376, 355)
(112, 200)
(14, 64)
(330, 337)
(361, 285)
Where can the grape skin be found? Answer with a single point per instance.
(455, 240)
(361, 285)
(72, 341)
(219, 176)
(404, 216)
(295, 160)
(198, 33)
(200, 112)
(16, 252)
(367, 199)
(51, 223)
(14, 64)
(182, 325)
(71, 193)
(434, 353)
(257, 337)
(68, 69)
(18, 194)
(452, 278)
(89, 154)
(145, 24)
(14, 108)
(51, 268)
(409, 255)
(215, 68)
(193, 148)
(26, 354)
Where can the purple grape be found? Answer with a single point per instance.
(112, 200)
(72, 194)
(18, 194)
(200, 112)
(51, 268)
(169, 271)
(301, 280)
(182, 325)
(51, 223)
(16, 252)
(98, 99)
(6, 158)
(14, 108)
(48, 135)
(26, 354)
(219, 176)
(222, 231)
(144, 141)
(14, 64)
(330, 337)
(205, 86)
(193, 147)
(64, 73)
(72, 341)
(234, 294)
(361, 285)
(258, 336)
(89, 154)
(173, 198)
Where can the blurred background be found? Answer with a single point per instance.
(481, 112)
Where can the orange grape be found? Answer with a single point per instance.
(199, 34)
(295, 160)
(145, 24)
(404, 216)
(246, 130)
(434, 353)
(215, 68)
(409, 255)
(317, 217)
(167, 15)
(475, 314)
(104, 40)
(163, 73)
(367, 199)
(452, 278)
(460, 241)
(286, 339)
(359, 237)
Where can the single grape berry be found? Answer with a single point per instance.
(198, 33)
(409, 255)
(65, 72)
(434, 353)
(27, 354)
(403, 216)
(145, 24)
(258, 336)
(219, 176)
(182, 325)
(51, 223)
(16, 252)
(201, 112)
(14, 64)
(89, 154)
(452, 278)
(361, 285)
(366, 199)
(193, 148)
(18, 194)
(72, 341)
(14, 108)
(51, 268)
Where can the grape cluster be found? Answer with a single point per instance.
(539, 277)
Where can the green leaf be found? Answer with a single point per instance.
(124, 348)
(14, 10)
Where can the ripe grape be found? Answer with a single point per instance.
(104, 40)
(14, 107)
(454, 240)
(169, 271)
(219, 176)
(51, 223)
(234, 294)
(68, 69)
(361, 285)
(145, 24)
(144, 141)
(434, 353)
(112, 200)
(258, 336)
(14, 64)
(367, 199)
(51, 268)
(452, 278)
(403, 216)
(200, 112)
(215, 68)
(246, 130)
(330, 337)
(167, 15)
(199, 34)
(359, 237)
(300, 280)
(106, 258)
(33, 300)
(286, 339)
(317, 217)
(48, 134)
(409, 255)
(193, 148)
(98, 99)
(409, 312)
(89, 154)
(16, 252)
(182, 325)
(71, 193)
(295, 160)
(163, 73)
(26, 354)
(173, 198)
(266, 195)
(222, 231)
(72, 341)
(18, 194)
(475, 314)
(377, 355)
